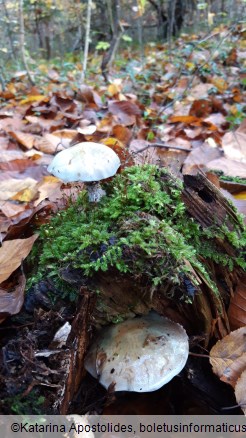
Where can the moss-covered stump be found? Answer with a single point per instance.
(150, 243)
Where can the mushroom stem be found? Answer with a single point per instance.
(95, 191)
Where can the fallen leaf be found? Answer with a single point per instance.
(228, 356)
(234, 146)
(49, 144)
(12, 302)
(49, 188)
(219, 83)
(183, 119)
(241, 195)
(240, 392)
(25, 195)
(87, 130)
(89, 96)
(201, 108)
(12, 253)
(200, 156)
(30, 99)
(200, 91)
(9, 187)
(125, 111)
(25, 139)
(10, 208)
(228, 167)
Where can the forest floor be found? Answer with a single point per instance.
(181, 107)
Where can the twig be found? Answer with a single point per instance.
(161, 145)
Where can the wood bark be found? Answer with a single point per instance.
(87, 39)
(22, 42)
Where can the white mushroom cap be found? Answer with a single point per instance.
(141, 354)
(85, 162)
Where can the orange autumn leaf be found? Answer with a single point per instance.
(183, 119)
(12, 253)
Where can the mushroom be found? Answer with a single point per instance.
(87, 162)
(141, 354)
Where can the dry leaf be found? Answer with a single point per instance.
(49, 144)
(240, 392)
(183, 119)
(49, 188)
(201, 108)
(200, 156)
(219, 83)
(200, 91)
(12, 253)
(27, 140)
(125, 111)
(87, 130)
(234, 146)
(228, 167)
(11, 186)
(25, 195)
(11, 302)
(228, 356)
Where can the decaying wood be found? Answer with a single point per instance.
(122, 295)
(206, 203)
(78, 340)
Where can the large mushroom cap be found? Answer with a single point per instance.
(140, 355)
(85, 162)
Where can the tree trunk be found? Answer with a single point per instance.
(87, 39)
(9, 31)
(22, 41)
(117, 33)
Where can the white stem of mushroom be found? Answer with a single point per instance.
(95, 191)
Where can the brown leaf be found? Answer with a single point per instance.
(48, 144)
(200, 156)
(122, 133)
(237, 308)
(11, 302)
(25, 139)
(233, 144)
(240, 392)
(49, 188)
(228, 356)
(228, 167)
(125, 111)
(148, 155)
(201, 108)
(89, 96)
(10, 208)
(12, 253)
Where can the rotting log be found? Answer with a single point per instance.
(121, 294)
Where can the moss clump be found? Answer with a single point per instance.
(141, 227)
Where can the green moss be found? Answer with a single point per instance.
(223, 177)
(33, 404)
(141, 227)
